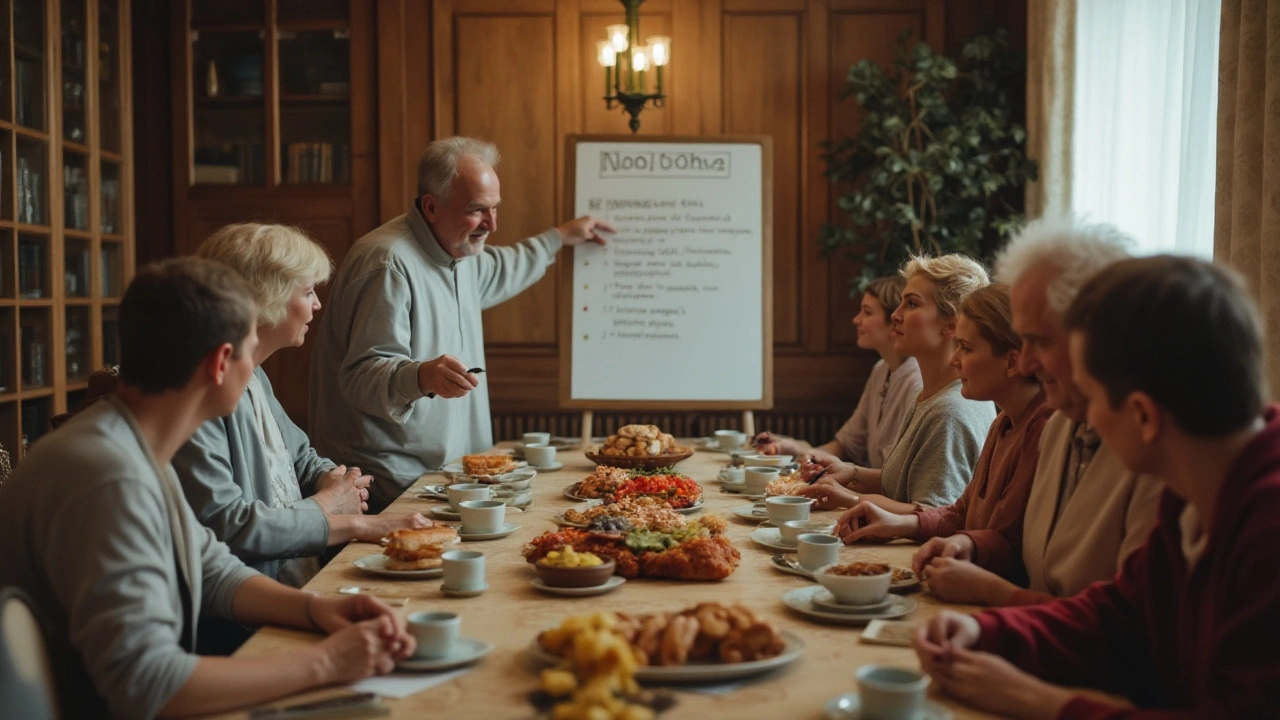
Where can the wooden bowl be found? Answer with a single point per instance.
(642, 462)
(575, 577)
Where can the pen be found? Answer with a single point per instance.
(473, 371)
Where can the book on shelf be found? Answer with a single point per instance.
(311, 163)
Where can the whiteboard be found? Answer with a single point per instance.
(675, 311)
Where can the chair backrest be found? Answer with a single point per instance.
(27, 687)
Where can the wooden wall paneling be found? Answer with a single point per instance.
(763, 89)
(815, 271)
(711, 69)
(507, 94)
(857, 35)
(180, 54)
(394, 168)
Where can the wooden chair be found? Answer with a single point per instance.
(26, 673)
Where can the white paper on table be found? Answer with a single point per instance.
(402, 685)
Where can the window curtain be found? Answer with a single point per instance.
(1144, 124)
(1247, 226)
(1051, 38)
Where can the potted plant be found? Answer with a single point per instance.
(938, 163)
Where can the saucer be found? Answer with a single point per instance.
(505, 530)
(771, 537)
(748, 512)
(444, 512)
(800, 600)
(464, 652)
(612, 583)
(548, 468)
(463, 593)
(848, 707)
(826, 601)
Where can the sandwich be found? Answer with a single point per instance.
(418, 549)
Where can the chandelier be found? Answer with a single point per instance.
(627, 63)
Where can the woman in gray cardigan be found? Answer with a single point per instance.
(942, 432)
(253, 477)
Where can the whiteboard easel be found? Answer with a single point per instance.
(676, 313)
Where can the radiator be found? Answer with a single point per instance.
(816, 428)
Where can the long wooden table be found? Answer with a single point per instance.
(511, 613)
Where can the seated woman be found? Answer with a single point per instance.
(894, 383)
(938, 443)
(252, 476)
(988, 516)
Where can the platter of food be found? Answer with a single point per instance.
(708, 642)
(614, 484)
(697, 550)
(645, 513)
(902, 580)
(639, 447)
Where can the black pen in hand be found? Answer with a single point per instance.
(473, 371)
(821, 472)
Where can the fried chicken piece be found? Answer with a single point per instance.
(713, 558)
(714, 524)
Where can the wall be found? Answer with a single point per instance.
(523, 74)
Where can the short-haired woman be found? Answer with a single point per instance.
(988, 516)
(937, 448)
(253, 476)
(866, 438)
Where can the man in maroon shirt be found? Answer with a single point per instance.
(1168, 351)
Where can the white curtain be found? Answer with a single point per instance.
(1144, 139)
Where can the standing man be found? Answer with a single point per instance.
(390, 386)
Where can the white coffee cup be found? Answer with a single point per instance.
(463, 492)
(540, 456)
(536, 438)
(730, 439)
(891, 693)
(814, 550)
(436, 632)
(463, 570)
(787, 507)
(757, 478)
(735, 475)
(482, 516)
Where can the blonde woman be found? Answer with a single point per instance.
(252, 476)
(870, 432)
(941, 434)
(988, 516)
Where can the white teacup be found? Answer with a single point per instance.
(463, 570)
(482, 516)
(542, 455)
(891, 693)
(735, 475)
(756, 478)
(436, 632)
(815, 550)
(463, 492)
(730, 439)
(787, 507)
(536, 438)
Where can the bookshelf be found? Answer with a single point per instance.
(275, 119)
(66, 243)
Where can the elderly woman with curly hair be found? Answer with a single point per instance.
(253, 477)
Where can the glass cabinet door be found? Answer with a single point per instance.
(315, 107)
(228, 94)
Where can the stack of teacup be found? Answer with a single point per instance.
(538, 450)
(790, 514)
